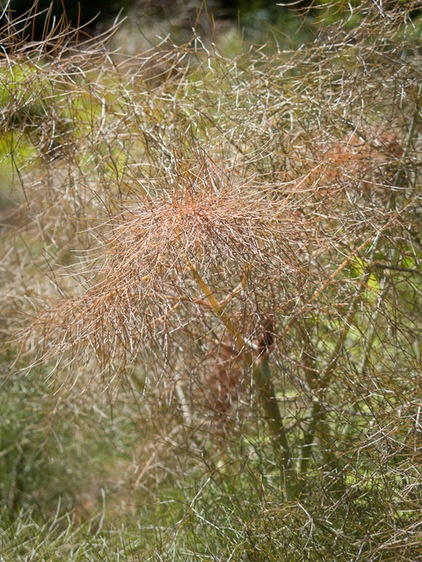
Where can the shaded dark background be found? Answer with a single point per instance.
(96, 15)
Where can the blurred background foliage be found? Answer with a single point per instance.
(253, 17)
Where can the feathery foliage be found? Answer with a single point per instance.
(236, 240)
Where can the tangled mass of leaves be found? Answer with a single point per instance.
(241, 236)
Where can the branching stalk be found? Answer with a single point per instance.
(263, 384)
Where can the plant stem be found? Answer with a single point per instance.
(262, 381)
(261, 375)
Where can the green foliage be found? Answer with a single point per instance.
(30, 539)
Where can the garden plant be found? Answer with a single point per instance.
(212, 293)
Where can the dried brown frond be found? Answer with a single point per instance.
(145, 279)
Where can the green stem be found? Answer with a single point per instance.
(318, 383)
(262, 381)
